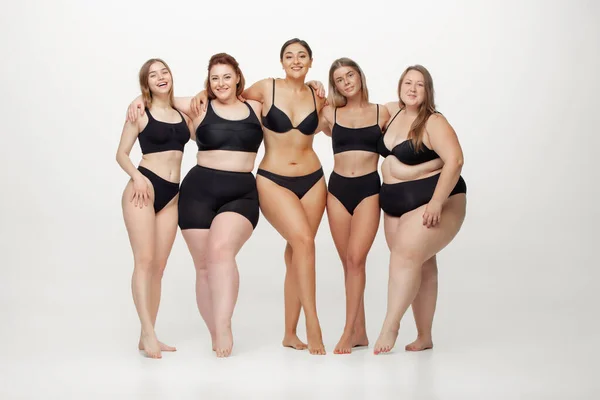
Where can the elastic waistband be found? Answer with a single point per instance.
(370, 174)
(151, 175)
(222, 171)
(266, 173)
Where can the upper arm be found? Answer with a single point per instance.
(256, 106)
(129, 135)
(321, 101)
(183, 104)
(325, 120)
(392, 107)
(257, 91)
(384, 116)
(190, 125)
(443, 139)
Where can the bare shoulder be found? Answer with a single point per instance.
(256, 106)
(392, 107)
(437, 122)
(327, 113)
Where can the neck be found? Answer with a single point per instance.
(161, 102)
(411, 111)
(295, 83)
(228, 101)
(356, 101)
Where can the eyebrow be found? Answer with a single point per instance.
(289, 52)
(153, 72)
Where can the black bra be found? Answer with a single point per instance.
(347, 139)
(405, 150)
(217, 133)
(160, 136)
(277, 121)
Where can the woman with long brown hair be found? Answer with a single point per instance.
(149, 200)
(423, 214)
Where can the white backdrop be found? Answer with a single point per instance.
(517, 80)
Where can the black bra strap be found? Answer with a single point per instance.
(334, 115)
(273, 90)
(377, 123)
(392, 120)
(314, 100)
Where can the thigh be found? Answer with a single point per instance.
(229, 231)
(415, 241)
(165, 230)
(282, 209)
(313, 203)
(365, 224)
(197, 243)
(339, 224)
(390, 226)
(139, 223)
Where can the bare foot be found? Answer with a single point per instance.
(163, 347)
(315, 342)
(224, 343)
(360, 339)
(385, 342)
(292, 340)
(420, 344)
(151, 346)
(344, 346)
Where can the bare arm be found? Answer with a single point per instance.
(183, 105)
(257, 107)
(445, 143)
(128, 138)
(325, 120)
(257, 91)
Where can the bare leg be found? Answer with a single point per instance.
(412, 245)
(165, 229)
(228, 233)
(292, 305)
(291, 218)
(140, 228)
(197, 242)
(353, 241)
(424, 306)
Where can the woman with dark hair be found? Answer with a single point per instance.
(149, 200)
(422, 214)
(291, 185)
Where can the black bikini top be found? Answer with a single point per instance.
(347, 139)
(405, 150)
(160, 136)
(277, 121)
(217, 133)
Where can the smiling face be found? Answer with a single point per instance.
(412, 89)
(159, 79)
(223, 81)
(347, 81)
(296, 60)
(155, 79)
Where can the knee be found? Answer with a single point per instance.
(144, 263)
(355, 263)
(406, 258)
(218, 252)
(302, 242)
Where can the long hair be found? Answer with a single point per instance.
(145, 88)
(225, 59)
(417, 129)
(336, 99)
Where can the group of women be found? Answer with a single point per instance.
(218, 203)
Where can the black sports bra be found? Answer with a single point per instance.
(160, 136)
(217, 133)
(277, 121)
(348, 139)
(405, 150)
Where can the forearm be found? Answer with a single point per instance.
(125, 163)
(447, 181)
(183, 104)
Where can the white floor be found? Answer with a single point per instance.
(70, 331)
